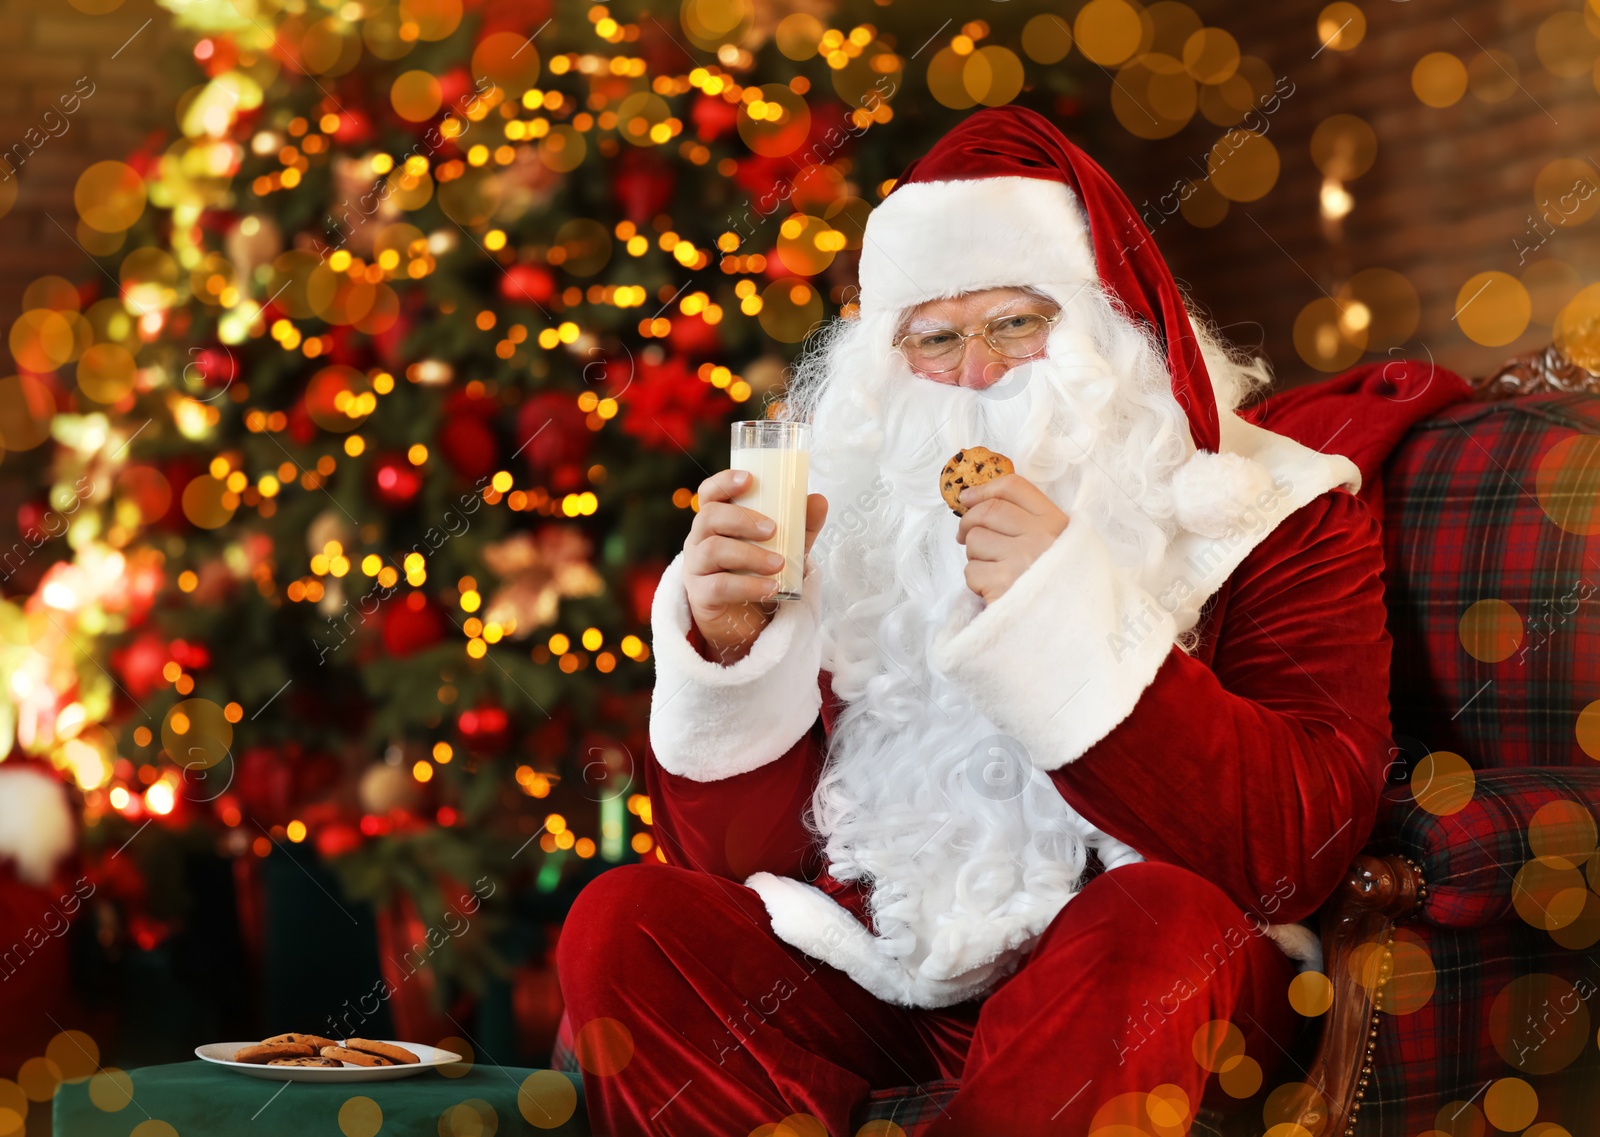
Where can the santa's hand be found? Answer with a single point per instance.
(1009, 523)
(729, 607)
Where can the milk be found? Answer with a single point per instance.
(778, 482)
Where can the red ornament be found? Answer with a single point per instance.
(191, 657)
(713, 117)
(693, 337)
(395, 481)
(301, 428)
(484, 728)
(354, 127)
(551, 431)
(641, 588)
(527, 284)
(411, 625)
(643, 185)
(140, 663)
(214, 366)
(469, 446)
(336, 839)
(665, 402)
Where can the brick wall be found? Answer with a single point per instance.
(46, 47)
(1450, 189)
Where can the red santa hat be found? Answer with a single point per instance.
(1005, 199)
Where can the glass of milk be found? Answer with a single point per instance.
(777, 456)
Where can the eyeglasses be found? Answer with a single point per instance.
(1015, 336)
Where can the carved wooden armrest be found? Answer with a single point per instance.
(1547, 369)
(1377, 891)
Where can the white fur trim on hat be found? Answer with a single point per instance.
(930, 240)
(709, 721)
(1211, 491)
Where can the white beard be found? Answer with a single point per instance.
(970, 849)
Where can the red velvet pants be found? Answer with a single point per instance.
(731, 1028)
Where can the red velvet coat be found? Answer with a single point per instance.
(1256, 762)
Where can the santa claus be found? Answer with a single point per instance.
(1034, 796)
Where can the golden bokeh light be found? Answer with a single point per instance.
(1243, 165)
(1443, 783)
(1344, 146)
(415, 95)
(1108, 32)
(1311, 993)
(1211, 56)
(1567, 484)
(563, 149)
(547, 1099)
(1493, 76)
(197, 734)
(508, 60)
(110, 196)
(360, 1117)
(993, 75)
(775, 124)
(1152, 103)
(1341, 26)
(1493, 308)
(603, 1046)
(790, 308)
(430, 19)
(1439, 79)
(711, 23)
(106, 372)
(1565, 45)
(1047, 38)
(1539, 1023)
(1562, 832)
(1325, 336)
(1389, 307)
(1548, 896)
(798, 34)
(26, 410)
(111, 1089)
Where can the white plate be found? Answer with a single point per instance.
(221, 1054)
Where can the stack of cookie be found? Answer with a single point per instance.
(314, 1050)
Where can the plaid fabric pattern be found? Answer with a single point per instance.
(1430, 1061)
(1470, 859)
(1463, 523)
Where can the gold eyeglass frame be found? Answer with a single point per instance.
(985, 331)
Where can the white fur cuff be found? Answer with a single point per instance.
(708, 721)
(1064, 654)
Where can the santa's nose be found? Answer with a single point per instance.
(982, 367)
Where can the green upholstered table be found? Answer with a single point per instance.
(196, 1099)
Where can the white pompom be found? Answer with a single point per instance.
(36, 826)
(1211, 491)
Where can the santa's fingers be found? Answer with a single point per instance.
(1013, 488)
(728, 519)
(998, 513)
(985, 544)
(816, 515)
(986, 578)
(719, 554)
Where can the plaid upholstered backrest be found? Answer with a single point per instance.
(1492, 548)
